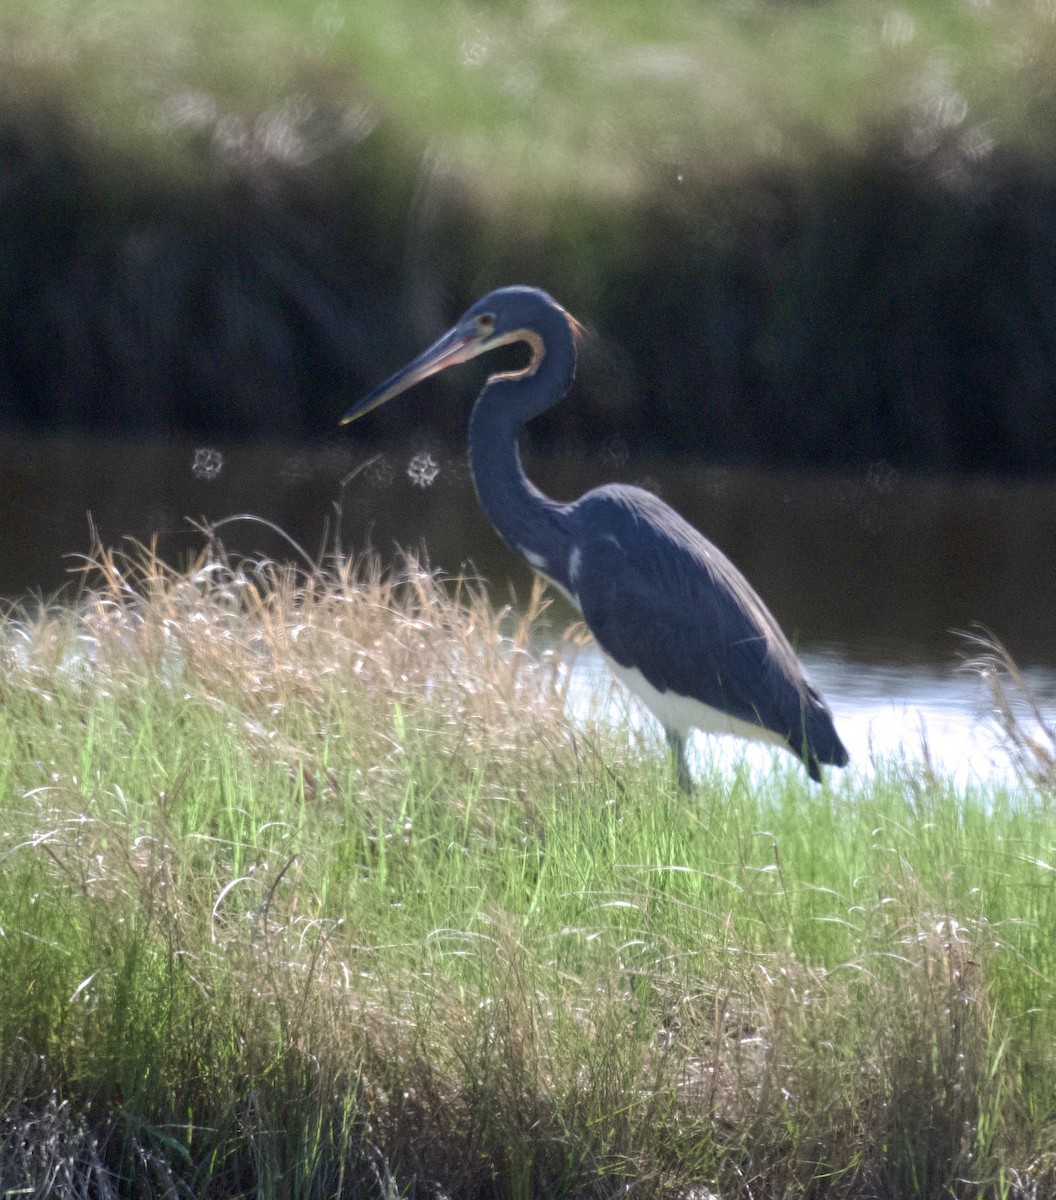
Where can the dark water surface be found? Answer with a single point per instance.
(870, 575)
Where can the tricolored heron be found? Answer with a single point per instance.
(676, 620)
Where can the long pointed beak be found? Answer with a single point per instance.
(455, 346)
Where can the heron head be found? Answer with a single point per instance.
(512, 314)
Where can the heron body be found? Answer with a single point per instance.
(678, 624)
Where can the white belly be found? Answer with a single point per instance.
(682, 713)
(677, 713)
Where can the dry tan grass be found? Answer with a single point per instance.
(296, 654)
(1029, 731)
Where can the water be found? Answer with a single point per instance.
(871, 576)
(918, 716)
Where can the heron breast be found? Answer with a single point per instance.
(683, 713)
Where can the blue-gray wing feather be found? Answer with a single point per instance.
(659, 597)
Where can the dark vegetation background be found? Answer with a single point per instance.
(891, 300)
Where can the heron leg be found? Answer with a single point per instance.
(678, 752)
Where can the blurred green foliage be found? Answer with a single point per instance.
(807, 232)
(540, 99)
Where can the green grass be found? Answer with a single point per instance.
(310, 888)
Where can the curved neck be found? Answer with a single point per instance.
(528, 521)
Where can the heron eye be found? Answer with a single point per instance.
(485, 323)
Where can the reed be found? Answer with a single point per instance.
(310, 887)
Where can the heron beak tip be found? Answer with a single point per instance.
(454, 347)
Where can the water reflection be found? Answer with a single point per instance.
(869, 575)
(919, 717)
(879, 567)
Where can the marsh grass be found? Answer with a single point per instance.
(1029, 730)
(309, 887)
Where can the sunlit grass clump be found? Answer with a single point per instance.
(310, 887)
